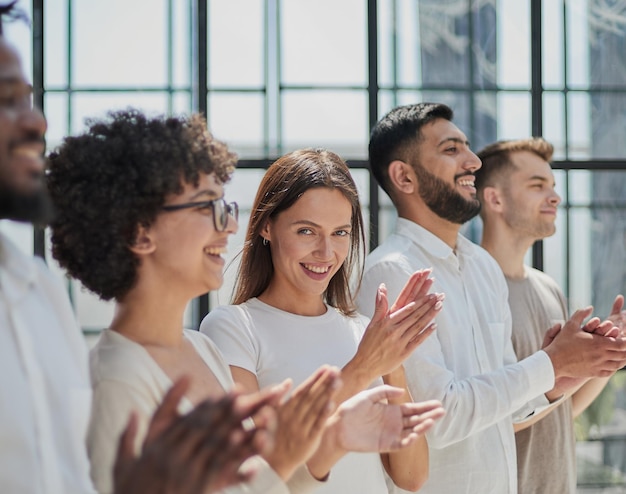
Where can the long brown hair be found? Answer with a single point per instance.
(283, 184)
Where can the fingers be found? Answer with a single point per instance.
(380, 310)
(576, 321)
(167, 411)
(618, 305)
(313, 399)
(247, 404)
(417, 285)
(551, 334)
(125, 449)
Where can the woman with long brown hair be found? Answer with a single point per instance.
(293, 309)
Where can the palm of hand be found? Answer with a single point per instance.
(380, 426)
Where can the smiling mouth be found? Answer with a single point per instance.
(317, 269)
(214, 251)
(27, 152)
(465, 183)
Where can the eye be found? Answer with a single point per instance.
(305, 231)
(342, 233)
(451, 150)
(205, 207)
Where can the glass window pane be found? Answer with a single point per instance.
(336, 120)
(579, 125)
(554, 247)
(181, 102)
(554, 122)
(578, 38)
(608, 231)
(398, 43)
(318, 48)
(607, 43)
(55, 34)
(607, 124)
(237, 118)
(181, 42)
(513, 63)
(114, 44)
(552, 43)
(56, 116)
(513, 115)
(236, 43)
(90, 105)
(580, 290)
(445, 44)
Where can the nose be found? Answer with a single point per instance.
(554, 199)
(324, 248)
(32, 122)
(472, 162)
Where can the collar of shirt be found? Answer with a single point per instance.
(17, 271)
(431, 243)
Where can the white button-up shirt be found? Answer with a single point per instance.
(468, 363)
(45, 394)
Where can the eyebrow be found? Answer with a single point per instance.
(211, 194)
(310, 223)
(540, 178)
(454, 139)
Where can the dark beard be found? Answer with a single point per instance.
(35, 208)
(443, 199)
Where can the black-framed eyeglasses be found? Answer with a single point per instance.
(219, 207)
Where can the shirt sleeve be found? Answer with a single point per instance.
(231, 331)
(474, 403)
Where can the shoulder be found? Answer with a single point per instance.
(115, 358)
(392, 253)
(226, 318)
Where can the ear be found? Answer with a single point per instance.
(402, 176)
(144, 243)
(266, 231)
(493, 199)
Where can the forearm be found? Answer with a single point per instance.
(355, 377)
(408, 467)
(328, 452)
(588, 392)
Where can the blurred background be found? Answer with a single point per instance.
(272, 76)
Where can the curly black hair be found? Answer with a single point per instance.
(115, 177)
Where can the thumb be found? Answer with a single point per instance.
(382, 304)
(578, 317)
(618, 304)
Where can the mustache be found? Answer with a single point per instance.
(464, 174)
(30, 138)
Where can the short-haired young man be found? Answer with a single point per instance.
(516, 188)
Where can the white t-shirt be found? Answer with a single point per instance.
(275, 345)
(468, 363)
(125, 377)
(45, 396)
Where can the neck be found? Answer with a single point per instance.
(506, 248)
(302, 304)
(427, 219)
(151, 318)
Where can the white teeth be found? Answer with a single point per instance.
(466, 183)
(214, 251)
(317, 269)
(28, 152)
